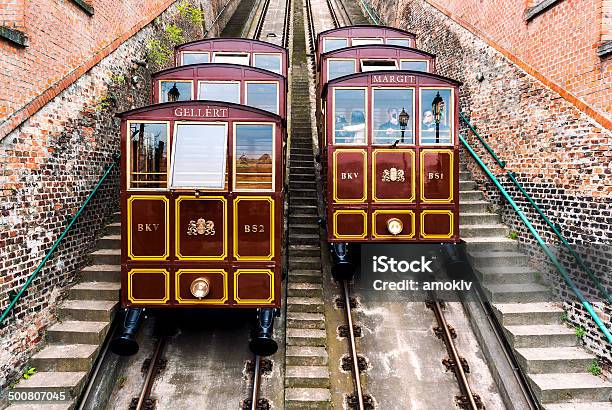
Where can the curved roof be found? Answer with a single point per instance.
(196, 103)
(377, 47)
(339, 80)
(370, 26)
(229, 40)
(211, 66)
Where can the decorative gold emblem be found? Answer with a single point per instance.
(393, 175)
(201, 227)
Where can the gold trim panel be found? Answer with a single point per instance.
(240, 301)
(392, 212)
(166, 202)
(437, 212)
(178, 227)
(406, 200)
(268, 257)
(364, 177)
(451, 173)
(148, 301)
(350, 212)
(177, 290)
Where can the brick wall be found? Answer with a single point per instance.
(52, 160)
(12, 14)
(559, 152)
(606, 20)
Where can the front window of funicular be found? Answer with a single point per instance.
(415, 65)
(349, 116)
(338, 68)
(175, 90)
(254, 157)
(263, 96)
(199, 156)
(148, 145)
(436, 116)
(270, 62)
(226, 91)
(389, 122)
(195, 58)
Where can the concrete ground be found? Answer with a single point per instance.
(206, 364)
(272, 30)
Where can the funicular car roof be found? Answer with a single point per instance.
(221, 68)
(349, 52)
(230, 40)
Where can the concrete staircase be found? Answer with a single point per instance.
(548, 350)
(306, 374)
(74, 341)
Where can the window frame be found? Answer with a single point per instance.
(451, 109)
(172, 162)
(362, 60)
(234, 156)
(232, 53)
(246, 92)
(240, 99)
(329, 60)
(410, 41)
(407, 60)
(412, 115)
(128, 162)
(366, 115)
(325, 50)
(194, 52)
(382, 41)
(160, 93)
(264, 53)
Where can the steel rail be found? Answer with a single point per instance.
(285, 42)
(256, 383)
(147, 386)
(311, 26)
(347, 16)
(353, 348)
(333, 14)
(262, 19)
(464, 385)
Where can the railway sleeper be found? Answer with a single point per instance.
(352, 402)
(347, 363)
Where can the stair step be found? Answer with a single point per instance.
(305, 305)
(554, 359)
(304, 289)
(486, 259)
(107, 256)
(558, 387)
(307, 376)
(74, 332)
(466, 185)
(482, 244)
(117, 216)
(305, 275)
(310, 263)
(476, 218)
(306, 356)
(109, 242)
(307, 399)
(65, 357)
(64, 405)
(101, 273)
(304, 239)
(505, 274)
(313, 251)
(295, 177)
(95, 291)
(528, 313)
(113, 228)
(305, 320)
(68, 382)
(88, 310)
(304, 228)
(306, 337)
(472, 195)
(517, 293)
(585, 405)
(482, 230)
(541, 336)
(473, 206)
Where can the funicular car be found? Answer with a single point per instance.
(360, 35)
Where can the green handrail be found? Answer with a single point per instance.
(483, 142)
(562, 238)
(540, 241)
(373, 15)
(34, 274)
(552, 226)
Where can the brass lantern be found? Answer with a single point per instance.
(437, 108)
(403, 122)
(173, 94)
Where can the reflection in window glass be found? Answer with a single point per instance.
(270, 62)
(221, 91)
(263, 96)
(404, 42)
(414, 66)
(331, 44)
(199, 157)
(339, 68)
(195, 58)
(366, 41)
(231, 58)
(387, 106)
(432, 131)
(254, 157)
(175, 91)
(377, 65)
(148, 152)
(349, 116)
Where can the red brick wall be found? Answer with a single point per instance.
(12, 14)
(560, 43)
(606, 21)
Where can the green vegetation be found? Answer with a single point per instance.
(118, 78)
(537, 276)
(158, 53)
(580, 332)
(29, 373)
(513, 235)
(594, 368)
(174, 34)
(565, 317)
(191, 13)
(121, 381)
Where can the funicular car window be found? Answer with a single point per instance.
(377, 65)
(366, 41)
(227, 91)
(262, 95)
(349, 116)
(270, 62)
(339, 68)
(171, 90)
(253, 157)
(231, 58)
(415, 65)
(436, 121)
(199, 156)
(148, 162)
(331, 44)
(195, 58)
(388, 104)
(403, 42)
